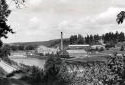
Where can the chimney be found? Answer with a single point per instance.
(61, 41)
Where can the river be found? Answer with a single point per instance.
(27, 61)
(30, 61)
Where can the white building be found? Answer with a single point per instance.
(79, 46)
(97, 46)
(18, 54)
(100, 45)
(46, 50)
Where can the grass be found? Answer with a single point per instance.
(101, 56)
(112, 50)
(92, 57)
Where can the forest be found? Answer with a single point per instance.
(110, 37)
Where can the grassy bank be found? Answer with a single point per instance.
(2, 72)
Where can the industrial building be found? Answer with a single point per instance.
(46, 50)
(78, 50)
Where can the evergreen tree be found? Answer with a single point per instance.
(73, 39)
(121, 37)
(109, 38)
(96, 38)
(91, 39)
(87, 39)
(116, 36)
(122, 48)
(80, 39)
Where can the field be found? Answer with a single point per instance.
(91, 58)
(99, 57)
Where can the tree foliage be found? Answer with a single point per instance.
(18, 2)
(108, 38)
(52, 74)
(59, 72)
(120, 17)
(4, 51)
(4, 13)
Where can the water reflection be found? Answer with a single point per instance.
(30, 61)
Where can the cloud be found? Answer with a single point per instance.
(44, 19)
(108, 17)
(106, 21)
(118, 3)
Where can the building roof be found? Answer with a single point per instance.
(76, 51)
(79, 45)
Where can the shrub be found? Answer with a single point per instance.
(56, 72)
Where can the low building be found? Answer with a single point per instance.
(78, 50)
(31, 53)
(97, 47)
(77, 53)
(85, 46)
(46, 50)
(18, 54)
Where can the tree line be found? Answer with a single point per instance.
(108, 38)
(22, 47)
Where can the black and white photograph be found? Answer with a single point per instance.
(62, 42)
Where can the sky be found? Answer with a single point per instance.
(42, 20)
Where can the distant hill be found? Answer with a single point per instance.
(50, 43)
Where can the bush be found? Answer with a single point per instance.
(52, 69)
(109, 45)
(122, 48)
(53, 73)
(56, 72)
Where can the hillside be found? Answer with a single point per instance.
(50, 43)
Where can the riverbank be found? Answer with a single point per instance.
(2, 72)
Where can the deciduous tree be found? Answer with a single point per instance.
(120, 17)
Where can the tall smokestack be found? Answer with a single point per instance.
(61, 41)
